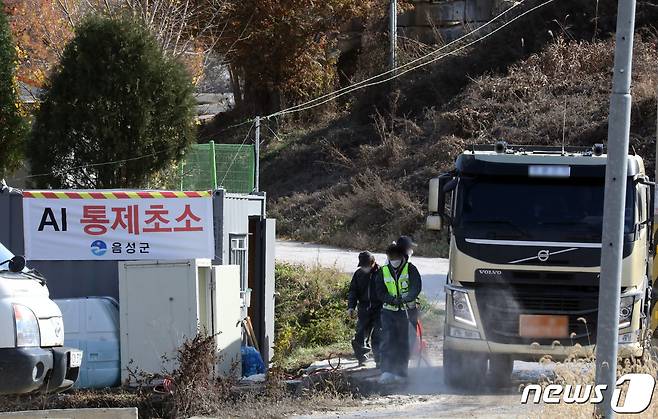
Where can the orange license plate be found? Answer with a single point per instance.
(543, 326)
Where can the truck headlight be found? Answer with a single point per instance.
(26, 326)
(626, 311)
(461, 308)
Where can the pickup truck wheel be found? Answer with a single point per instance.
(464, 369)
(500, 369)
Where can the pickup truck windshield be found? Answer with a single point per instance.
(534, 209)
(5, 254)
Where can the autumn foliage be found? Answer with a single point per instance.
(41, 30)
(281, 52)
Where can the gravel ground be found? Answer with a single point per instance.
(427, 396)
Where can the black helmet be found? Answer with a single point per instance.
(395, 250)
(366, 259)
(406, 243)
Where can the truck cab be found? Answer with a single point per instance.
(525, 227)
(32, 355)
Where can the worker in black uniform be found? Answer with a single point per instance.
(398, 286)
(407, 244)
(364, 304)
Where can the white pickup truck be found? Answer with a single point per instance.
(32, 355)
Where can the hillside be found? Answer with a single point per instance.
(360, 179)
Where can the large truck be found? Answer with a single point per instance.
(525, 228)
(32, 353)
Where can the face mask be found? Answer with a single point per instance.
(366, 270)
(395, 263)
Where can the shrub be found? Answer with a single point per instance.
(114, 97)
(311, 307)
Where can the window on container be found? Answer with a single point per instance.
(238, 256)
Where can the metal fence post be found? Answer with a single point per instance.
(213, 164)
(181, 166)
(393, 34)
(612, 244)
(257, 156)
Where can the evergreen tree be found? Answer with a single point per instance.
(13, 123)
(115, 97)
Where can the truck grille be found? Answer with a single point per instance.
(501, 305)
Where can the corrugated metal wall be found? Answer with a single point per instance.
(236, 212)
(71, 279)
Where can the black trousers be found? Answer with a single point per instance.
(368, 331)
(396, 347)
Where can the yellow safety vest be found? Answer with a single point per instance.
(399, 288)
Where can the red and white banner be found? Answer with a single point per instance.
(117, 225)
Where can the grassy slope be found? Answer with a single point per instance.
(359, 179)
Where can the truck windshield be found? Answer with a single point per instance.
(539, 209)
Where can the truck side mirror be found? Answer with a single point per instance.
(434, 222)
(17, 264)
(439, 188)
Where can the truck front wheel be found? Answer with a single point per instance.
(464, 369)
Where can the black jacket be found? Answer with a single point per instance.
(363, 290)
(415, 285)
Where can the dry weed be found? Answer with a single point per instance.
(581, 371)
(364, 181)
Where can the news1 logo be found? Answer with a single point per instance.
(638, 395)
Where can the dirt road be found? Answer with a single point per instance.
(426, 395)
(432, 270)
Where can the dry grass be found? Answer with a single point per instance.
(568, 79)
(581, 371)
(359, 182)
(193, 392)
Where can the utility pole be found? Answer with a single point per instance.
(619, 123)
(257, 156)
(393, 34)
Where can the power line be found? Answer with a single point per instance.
(85, 166)
(318, 101)
(398, 73)
(221, 183)
(402, 67)
(273, 133)
(230, 127)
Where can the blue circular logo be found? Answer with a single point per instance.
(98, 248)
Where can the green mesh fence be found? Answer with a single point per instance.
(234, 168)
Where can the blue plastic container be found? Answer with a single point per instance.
(92, 324)
(252, 361)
